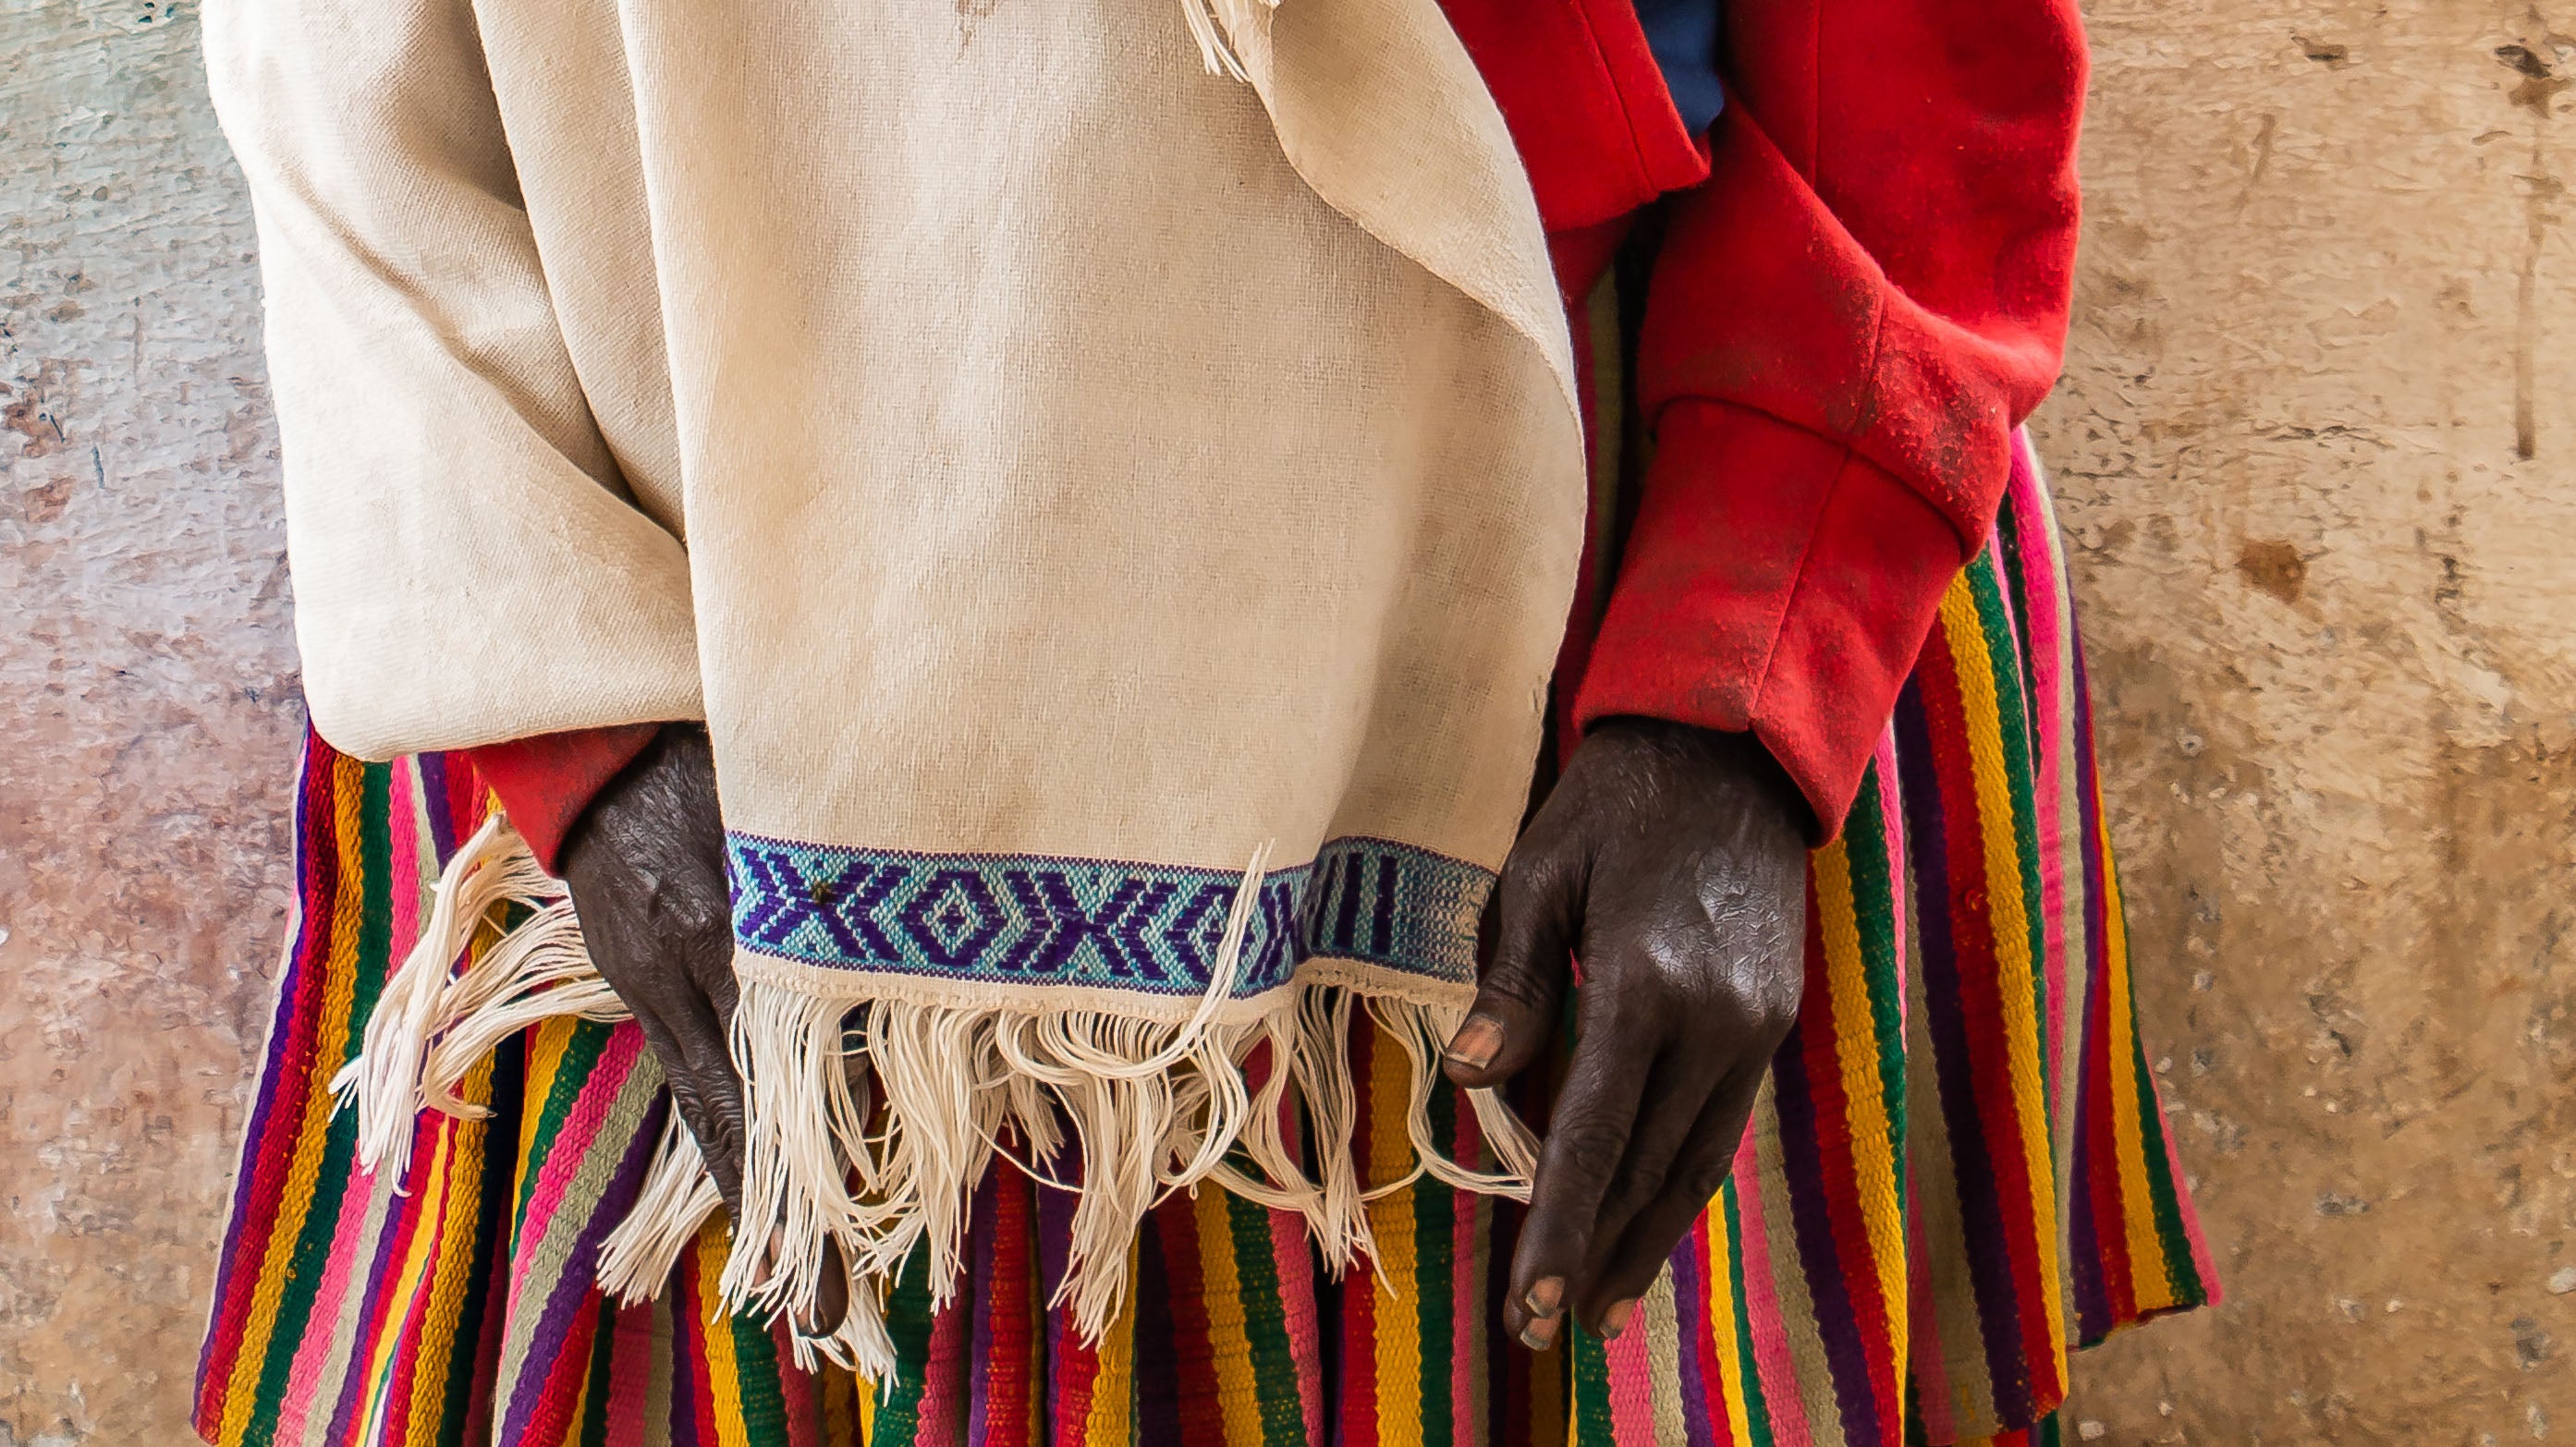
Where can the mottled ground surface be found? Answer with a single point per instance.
(2314, 452)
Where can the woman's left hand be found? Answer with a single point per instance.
(1672, 861)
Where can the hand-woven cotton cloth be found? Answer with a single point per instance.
(1131, 489)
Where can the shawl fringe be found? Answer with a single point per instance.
(870, 1121)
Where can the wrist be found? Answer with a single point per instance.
(1752, 775)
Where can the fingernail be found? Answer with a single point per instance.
(1477, 1042)
(1545, 1296)
(1539, 1335)
(1615, 1320)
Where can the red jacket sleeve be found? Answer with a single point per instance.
(546, 782)
(1846, 322)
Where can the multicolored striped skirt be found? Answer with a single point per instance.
(1958, 1172)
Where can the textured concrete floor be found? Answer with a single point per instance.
(2314, 456)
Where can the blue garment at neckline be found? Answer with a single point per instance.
(1683, 36)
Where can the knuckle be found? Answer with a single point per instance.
(1590, 1150)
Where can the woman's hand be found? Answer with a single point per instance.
(646, 865)
(1672, 861)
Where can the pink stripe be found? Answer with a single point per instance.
(1305, 1334)
(1782, 1399)
(304, 1379)
(1466, 1318)
(2046, 616)
(1891, 813)
(580, 1128)
(1632, 1388)
(405, 808)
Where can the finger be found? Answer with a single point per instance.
(698, 1038)
(1587, 1137)
(1680, 1087)
(1627, 1268)
(1536, 913)
(683, 1080)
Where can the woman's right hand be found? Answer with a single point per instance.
(646, 865)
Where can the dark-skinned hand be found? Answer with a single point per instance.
(645, 863)
(1672, 861)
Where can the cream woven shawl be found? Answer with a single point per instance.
(1130, 480)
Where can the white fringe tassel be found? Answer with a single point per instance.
(1153, 1107)
(871, 1122)
(1229, 30)
(434, 1022)
(677, 1198)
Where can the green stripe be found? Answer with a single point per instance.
(1757, 1412)
(1265, 1322)
(580, 1057)
(756, 1384)
(603, 1353)
(335, 1180)
(908, 1323)
(2181, 1272)
(1592, 1426)
(1434, 1256)
(490, 1228)
(1874, 910)
(2013, 718)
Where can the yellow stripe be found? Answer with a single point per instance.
(1230, 1345)
(1398, 1347)
(2009, 924)
(2128, 1128)
(449, 1265)
(724, 1371)
(295, 1202)
(1855, 1030)
(404, 1286)
(547, 1045)
(1114, 1383)
(1725, 1332)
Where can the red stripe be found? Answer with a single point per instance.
(2102, 1158)
(1195, 1388)
(1840, 1174)
(319, 843)
(1359, 1284)
(1981, 1004)
(1010, 1397)
(1712, 1370)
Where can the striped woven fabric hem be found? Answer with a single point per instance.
(1958, 1171)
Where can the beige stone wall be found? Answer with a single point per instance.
(148, 713)
(2315, 450)
(2312, 451)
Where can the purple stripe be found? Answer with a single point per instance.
(1701, 1400)
(1837, 1324)
(978, 1304)
(1158, 1370)
(1055, 1240)
(436, 794)
(2092, 1292)
(314, 818)
(1980, 1199)
(572, 1291)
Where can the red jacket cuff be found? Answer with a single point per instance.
(1775, 581)
(546, 782)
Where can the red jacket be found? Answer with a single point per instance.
(1862, 290)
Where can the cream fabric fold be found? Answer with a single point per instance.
(1131, 481)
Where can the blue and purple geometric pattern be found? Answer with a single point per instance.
(1034, 920)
